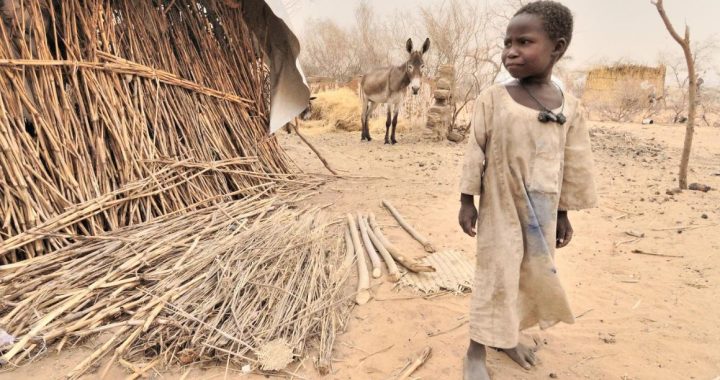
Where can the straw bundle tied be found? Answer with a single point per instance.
(220, 283)
(99, 98)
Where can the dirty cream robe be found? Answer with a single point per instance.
(524, 171)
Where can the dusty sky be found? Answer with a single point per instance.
(605, 31)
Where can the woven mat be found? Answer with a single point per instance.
(454, 272)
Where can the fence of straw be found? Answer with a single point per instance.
(99, 98)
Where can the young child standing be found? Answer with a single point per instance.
(529, 161)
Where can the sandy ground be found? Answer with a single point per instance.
(639, 316)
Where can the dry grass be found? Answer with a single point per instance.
(339, 109)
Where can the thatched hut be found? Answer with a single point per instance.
(142, 193)
(613, 81)
(116, 112)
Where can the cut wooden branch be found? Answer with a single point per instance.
(440, 332)
(415, 364)
(312, 147)
(374, 258)
(363, 288)
(410, 264)
(393, 271)
(641, 252)
(685, 228)
(419, 237)
(349, 252)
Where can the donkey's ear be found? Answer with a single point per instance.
(426, 45)
(408, 45)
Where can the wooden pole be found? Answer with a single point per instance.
(684, 43)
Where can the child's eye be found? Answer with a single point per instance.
(410, 67)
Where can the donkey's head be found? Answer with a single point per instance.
(415, 64)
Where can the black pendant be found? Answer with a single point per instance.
(548, 116)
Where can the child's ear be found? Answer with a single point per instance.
(561, 45)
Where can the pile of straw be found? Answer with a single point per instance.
(98, 98)
(220, 283)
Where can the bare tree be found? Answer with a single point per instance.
(677, 93)
(684, 43)
(369, 42)
(327, 50)
(464, 36)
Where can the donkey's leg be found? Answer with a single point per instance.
(387, 123)
(363, 118)
(366, 127)
(394, 123)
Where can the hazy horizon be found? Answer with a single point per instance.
(605, 31)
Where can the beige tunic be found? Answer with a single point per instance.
(524, 171)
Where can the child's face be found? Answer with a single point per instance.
(529, 51)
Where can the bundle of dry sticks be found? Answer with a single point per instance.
(218, 284)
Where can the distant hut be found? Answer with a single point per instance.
(615, 82)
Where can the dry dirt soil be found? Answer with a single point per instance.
(639, 316)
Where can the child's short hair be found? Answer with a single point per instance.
(557, 18)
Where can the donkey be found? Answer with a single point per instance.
(388, 85)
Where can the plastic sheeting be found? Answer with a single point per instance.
(290, 94)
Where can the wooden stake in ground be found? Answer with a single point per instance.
(393, 271)
(363, 288)
(684, 43)
(408, 263)
(312, 147)
(419, 237)
(374, 258)
(415, 364)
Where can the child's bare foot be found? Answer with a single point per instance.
(522, 355)
(474, 367)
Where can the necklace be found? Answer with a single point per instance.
(547, 115)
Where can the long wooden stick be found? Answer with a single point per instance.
(363, 288)
(393, 271)
(374, 258)
(418, 236)
(312, 147)
(349, 253)
(640, 252)
(408, 263)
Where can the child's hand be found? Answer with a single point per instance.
(467, 217)
(564, 230)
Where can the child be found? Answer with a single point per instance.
(529, 160)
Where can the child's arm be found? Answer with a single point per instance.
(564, 229)
(473, 165)
(578, 187)
(468, 214)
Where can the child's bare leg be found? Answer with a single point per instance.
(474, 367)
(522, 355)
